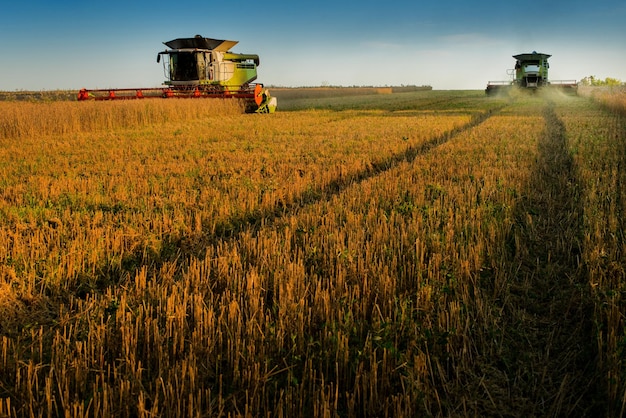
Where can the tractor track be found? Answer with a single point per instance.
(256, 220)
(547, 348)
(180, 250)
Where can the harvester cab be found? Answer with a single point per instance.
(207, 62)
(530, 73)
(201, 67)
(531, 70)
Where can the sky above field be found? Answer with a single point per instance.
(448, 44)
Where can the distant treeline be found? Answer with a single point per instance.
(313, 92)
(45, 95)
(608, 81)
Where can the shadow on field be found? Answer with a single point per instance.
(547, 349)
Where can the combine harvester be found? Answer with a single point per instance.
(530, 73)
(200, 68)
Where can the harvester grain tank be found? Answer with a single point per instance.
(201, 67)
(530, 73)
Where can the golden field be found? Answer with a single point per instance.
(418, 254)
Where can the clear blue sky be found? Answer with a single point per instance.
(448, 44)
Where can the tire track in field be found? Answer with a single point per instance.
(549, 350)
(234, 226)
(179, 250)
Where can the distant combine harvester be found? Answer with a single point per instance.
(531, 73)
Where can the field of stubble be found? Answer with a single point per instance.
(432, 253)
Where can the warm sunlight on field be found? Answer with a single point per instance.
(409, 254)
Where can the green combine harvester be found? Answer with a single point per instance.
(530, 73)
(200, 67)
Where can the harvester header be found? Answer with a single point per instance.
(530, 73)
(201, 67)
